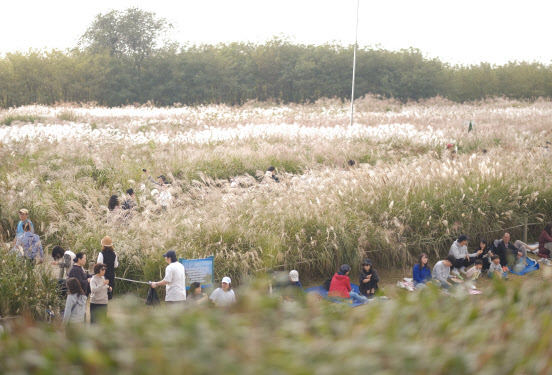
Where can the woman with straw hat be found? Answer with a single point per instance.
(108, 257)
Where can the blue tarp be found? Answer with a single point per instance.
(324, 294)
(531, 266)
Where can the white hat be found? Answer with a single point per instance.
(294, 276)
(226, 280)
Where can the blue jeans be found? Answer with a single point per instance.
(357, 297)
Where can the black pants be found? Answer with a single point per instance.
(462, 262)
(98, 311)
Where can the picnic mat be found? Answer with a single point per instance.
(531, 266)
(324, 294)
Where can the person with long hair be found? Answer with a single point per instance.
(368, 279)
(421, 273)
(108, 257)
(113, 203)
(486, 254)
(99, 287)
(75, 306)
(77, 271)
(545, 242)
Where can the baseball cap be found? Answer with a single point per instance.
(226, 280)
(24, 211)
(170, 254)
(294, 275)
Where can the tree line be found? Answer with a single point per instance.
(117, 62)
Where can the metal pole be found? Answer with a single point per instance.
(354, 67)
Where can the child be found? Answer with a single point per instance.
(497, 269)
(75, 307)
(368, 280)
(474, 272)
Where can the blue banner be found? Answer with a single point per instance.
(199, 270)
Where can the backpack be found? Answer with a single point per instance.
(327, 284)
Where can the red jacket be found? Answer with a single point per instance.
(340, 286)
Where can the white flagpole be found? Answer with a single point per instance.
(354, 67)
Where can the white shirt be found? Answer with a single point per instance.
(164, 198)
(176, 276)
(100, 260)
(222, 298)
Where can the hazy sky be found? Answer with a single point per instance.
(463, 32)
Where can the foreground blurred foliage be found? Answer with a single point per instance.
(505, 331)
(26, 289)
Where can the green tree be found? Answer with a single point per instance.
(133, 33)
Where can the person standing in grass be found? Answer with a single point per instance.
(109, 258)
(421, 273)
(29, 243)
(75, 306)
(23, 218)
(462, 259)
(224, 296)
(77, 271)
(368, 279)
(545, 242)
(99, 287)
(130, 202)
(175, 280)
(63, 259)
(341, 286)
(441, 272)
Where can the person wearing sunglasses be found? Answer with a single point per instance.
(99, 287)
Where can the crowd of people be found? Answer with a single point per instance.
(495, 259)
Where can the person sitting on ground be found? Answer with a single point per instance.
(441, 272)
(99, 288)
(130, 202)
(195, 295)
(294, 279)
(462, 259)
(486, 254)
(496, 269)
(29, 246)
(545, 242)
(223, 296)
(271, 172)
(63, 259)
(507, 252)
(109, 258)
(341, 286)
(421, 273)
(368, 279)
(77, 271)
(522, 248)
(75, 306)
(474, 272)
(113, 205)
(175, 279)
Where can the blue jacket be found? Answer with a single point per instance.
(421, 276)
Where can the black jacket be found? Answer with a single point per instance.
(373, 283)
(78, 273)
(507, 254)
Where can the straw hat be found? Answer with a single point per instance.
(107, 241)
